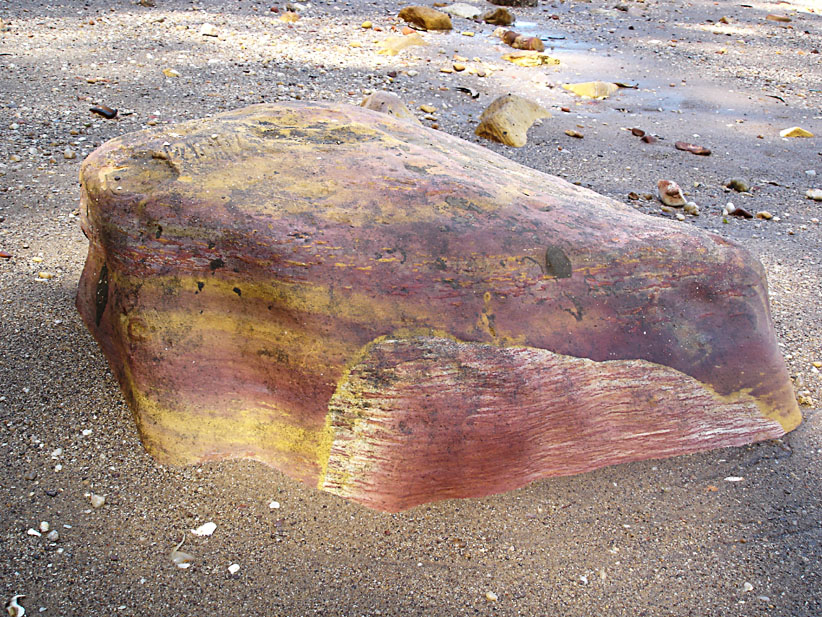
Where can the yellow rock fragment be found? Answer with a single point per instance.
(458, 67)
(592, 89)
(467, 33)
(508, 119)
(429, 109)
(795, 131)
(530, 58)
(170, 73)
(289, 17)
(367, 25)
(393, 45)
(46, 275)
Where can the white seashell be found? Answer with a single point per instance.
(206, 529)
(14, 609)
(180, 558)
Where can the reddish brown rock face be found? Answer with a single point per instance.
(398, 316)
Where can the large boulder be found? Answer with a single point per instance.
(396, 315)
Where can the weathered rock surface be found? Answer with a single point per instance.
(508, 118)
(395, 315)
(426, 18)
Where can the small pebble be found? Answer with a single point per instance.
(53, 536)
(815, 194)
(764, 214)
(491, 596)
(44, 526)
(97, 501)
(208, 30)
(234, 568)
(69, 154)
(34, 532)
(746, 586)
(737, 184)
(274, 505)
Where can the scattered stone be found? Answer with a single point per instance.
(490, 596)
(460, 9)
(290, 17)
(234, 568)
(746, 586)
(168, 72)
(737, 184)
(795, 131)
(69, 154)
(732, 210)
(429, 109)
(97, 501)
(692, 148)
(520, 41)
(33, 532)
(573, 133)
(691, 208)
(592, 89)
(670, 194)
(649, 139)
(209, 30)
(46, 275)
(530, 58)
(508, 119)
(53, 536)
(104, 110)
(274, 505)
(389, 103)
(366, 25)
(426, 18)
(815, 194)
(44, 526)
(31, 475)
(782, 18)
(637, 132)
(498, 17)
(764, 215)
(514, 3)
(393, 45)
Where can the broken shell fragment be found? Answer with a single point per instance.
(181, 559)
(14, 608)
(206, 529)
